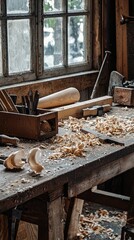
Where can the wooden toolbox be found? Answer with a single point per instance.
(124, 96)
(40, 126)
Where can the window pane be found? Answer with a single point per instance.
(53, 53)
(17, 6)
(76, 39)
(0, 52)
(76, 4)
(52, 5)
(19, 53)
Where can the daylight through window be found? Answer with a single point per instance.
(39, 38)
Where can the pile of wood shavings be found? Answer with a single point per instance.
(100, 224)
(74, 124)
(74, 143)
(113, 125)
(107, 124)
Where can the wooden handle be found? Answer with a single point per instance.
(64, 97)
(4, 139)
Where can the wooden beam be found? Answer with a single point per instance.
(100, 175)
(106, 198)
(97, 34)
(76, 109)
(45, 87)
(3, 227)
(73, 217)
(122, 8)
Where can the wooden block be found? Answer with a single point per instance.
(76, 109)
(96, 110)
(124, 96)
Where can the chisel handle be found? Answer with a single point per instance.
(4, 139)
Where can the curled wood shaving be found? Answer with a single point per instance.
(14, 160)
(74, 145)
(113, 125)
(33, 160)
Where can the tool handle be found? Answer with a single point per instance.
(4, 139)
(103, 74)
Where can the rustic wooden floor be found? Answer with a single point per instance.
(99, 222)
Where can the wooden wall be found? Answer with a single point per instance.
(130, 49)
(122, 8)
(124, 39)
(83, 82)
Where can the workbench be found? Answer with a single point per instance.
(41, 198)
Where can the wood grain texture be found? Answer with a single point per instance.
(60, 98)
(3, 227)
(124, 96)
(73, 217)
(56, 222)
(121, 38)
(100, 175)
(27, 231)
(80, 81)
(76, 109)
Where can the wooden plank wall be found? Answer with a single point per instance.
(130, 47)
(122, 8)
(83, 82)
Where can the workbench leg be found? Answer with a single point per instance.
(48, 215)
(130, 217)
(73, 218)
(3, 227)
(55, 220)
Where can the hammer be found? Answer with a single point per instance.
(126, 19)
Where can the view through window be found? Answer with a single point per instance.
(39, 38)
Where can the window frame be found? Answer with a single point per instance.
(36, 17)
(74, 68)
(7, 79)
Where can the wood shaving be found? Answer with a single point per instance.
(74, 124)
(96, 223)
(74, 145)
(113, 125)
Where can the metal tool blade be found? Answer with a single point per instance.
(102, 137)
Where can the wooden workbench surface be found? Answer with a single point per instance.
(17, 187)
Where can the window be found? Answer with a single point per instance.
(44, 38)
